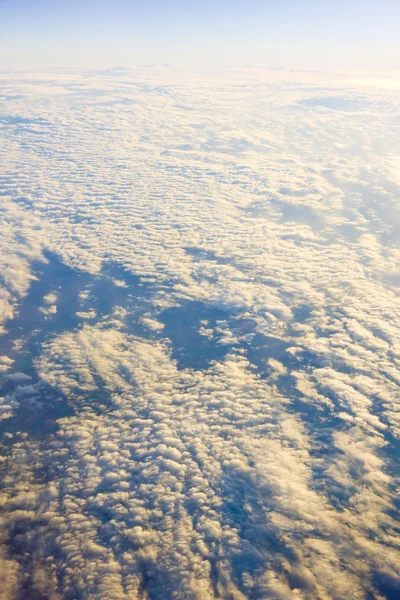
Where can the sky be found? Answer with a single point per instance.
(289, 33)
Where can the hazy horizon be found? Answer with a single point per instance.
(288, 33)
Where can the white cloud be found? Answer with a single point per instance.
(267, 474)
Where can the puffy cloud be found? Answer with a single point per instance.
(259, 222)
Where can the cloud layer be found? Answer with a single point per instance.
(200, 358)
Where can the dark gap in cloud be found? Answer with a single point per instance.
(387, 584)
(262, 347)
(18, 120)
(348, 231)
(298, 213)
(22, 539)
(245, 506)
(287, 212)
(200, 254)
(338, 103)
(321, 421)
(39, 409)
(190, 348)
(390, 452)
(7, 97)
(302, 313)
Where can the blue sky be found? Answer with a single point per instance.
(295, 33)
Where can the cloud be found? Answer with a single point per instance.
(261, 232)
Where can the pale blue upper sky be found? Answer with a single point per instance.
(293, 33)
